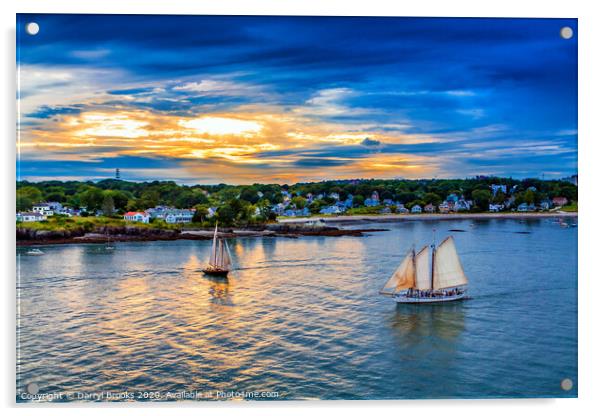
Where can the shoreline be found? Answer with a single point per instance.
(428, 217)
(292, 228)
(94, 238)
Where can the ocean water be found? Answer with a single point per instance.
(300, 318)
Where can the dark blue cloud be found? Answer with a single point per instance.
(437, 75)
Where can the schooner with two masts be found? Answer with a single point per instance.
(220, 261)
(428, 276)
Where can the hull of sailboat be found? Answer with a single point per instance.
(403, 298)
(216, 272)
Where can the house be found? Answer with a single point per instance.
(44, 208)
(211, 211)
(333, 209)
(444, 207)
(497, 188)
(30, 217)
(334, 195)
(524, 207)
(559, 201)
(297, 212)
(416, 209)
(349, 201)
(401, 209)
(461, 205)
(429, 208)
(137, 216)
(545, 204)
(496, 207)
(385, 210)
(371, 202)
(179, 216)
(375, 196)
(453, 198)
(388, 202)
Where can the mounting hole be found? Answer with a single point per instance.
(566, 32)
(33, 388)
(32, 28)
(566, 384)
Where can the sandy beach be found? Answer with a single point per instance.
(428, 217)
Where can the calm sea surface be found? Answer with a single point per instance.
(302, 317)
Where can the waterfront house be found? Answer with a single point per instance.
(545, 204)
(137, 216)
(179, 216)
(401, 209)
(524, 207)
(370, 202)
(560, 201)
(44, 208)
(333, 209)
(496, 207)
(388, 202)
(416, 209)
(444, 207)
(30, 217)
(334, 195)
(429, 208)
(461, 205)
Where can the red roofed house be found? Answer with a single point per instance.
(560, 201)
(137, 216)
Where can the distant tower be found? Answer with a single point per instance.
(117, 174)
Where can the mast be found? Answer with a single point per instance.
(212, 259)
(433, 262)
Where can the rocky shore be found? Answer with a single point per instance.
(30, 237)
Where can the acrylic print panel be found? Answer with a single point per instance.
(291, 208)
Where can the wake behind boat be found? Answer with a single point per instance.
(220, 261)
(417, 281)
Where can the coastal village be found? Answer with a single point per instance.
(498, 198)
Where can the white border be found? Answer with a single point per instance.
(590, 160)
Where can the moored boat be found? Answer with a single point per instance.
(35, 252)
(429, 276)
(220, 261)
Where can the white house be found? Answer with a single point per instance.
(44, 208)
(416, 209)
(30, 217)
(178, 216)
(137, 216)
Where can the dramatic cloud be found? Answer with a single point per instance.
(284, 99)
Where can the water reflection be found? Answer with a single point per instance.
(415, 322)
(301, 316)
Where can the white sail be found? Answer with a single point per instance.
(213, 257)
(423, 275)
(448, 271)
(402, 278)
(227, 259)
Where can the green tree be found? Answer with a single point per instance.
(481, 198)
(299, 202)
(108, 205)
(432, 198)
(92, 199)
(27, 196)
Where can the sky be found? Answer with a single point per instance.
(265, 99)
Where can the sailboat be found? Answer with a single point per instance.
(220, 260)
(417, 281)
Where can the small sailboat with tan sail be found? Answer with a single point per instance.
(220, 260)
(428, 276)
